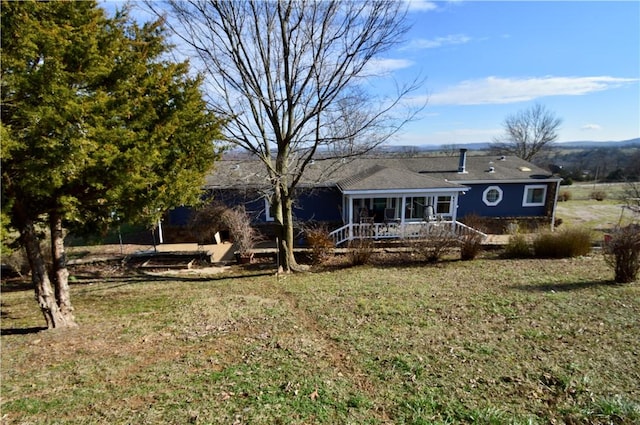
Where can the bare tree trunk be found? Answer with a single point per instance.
(288, 224)
(44, 291)
(284, 218)
(60, 272)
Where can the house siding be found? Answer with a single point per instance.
(179, 216)
(321, 204)
(318, 204)
(510, 205)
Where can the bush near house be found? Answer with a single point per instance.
(319, 242)
(360, 251)
(471, 243)
(433, 243)
(570, 242)
(517, 247)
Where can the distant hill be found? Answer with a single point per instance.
(485, 145)
(611, 144)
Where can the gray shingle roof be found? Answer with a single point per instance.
(383, 178)
(385, 172)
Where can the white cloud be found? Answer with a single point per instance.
(421, 5)
(591, 127)
(496, 90)
(385, 66)
(452, 39)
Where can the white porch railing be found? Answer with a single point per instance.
(408, 230)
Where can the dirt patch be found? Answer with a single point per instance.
(197, 272)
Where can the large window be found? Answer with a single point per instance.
(415, 208)
(374, 208)
(534, 195)
(492, 196)
(444, 205)
(421, 207)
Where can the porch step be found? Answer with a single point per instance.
(496, 240)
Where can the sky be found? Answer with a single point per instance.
(483, 61)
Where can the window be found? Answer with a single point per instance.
(415, 208)
(534, 195)
(492, 196)
(444, 205)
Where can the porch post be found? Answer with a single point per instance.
(350, 216)
(403, 206)
(555, 205)
(454, 214)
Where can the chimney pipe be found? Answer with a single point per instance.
(462, 164)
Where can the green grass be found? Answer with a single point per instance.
(599, 216)
(488, 341)
(583, 191)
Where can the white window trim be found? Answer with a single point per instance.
(267, 210)
(486, 192)
(532, 187)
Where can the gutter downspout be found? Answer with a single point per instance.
(555, 205)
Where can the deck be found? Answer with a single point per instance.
(410, 230)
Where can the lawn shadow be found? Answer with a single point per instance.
(99, 284)
(17, 285)
(567, 287)
(22, 331)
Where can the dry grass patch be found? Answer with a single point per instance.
(487, 341)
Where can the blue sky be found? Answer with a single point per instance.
(486, 60)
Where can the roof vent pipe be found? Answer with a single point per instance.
(462, 164)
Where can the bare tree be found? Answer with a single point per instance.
(631, 196)
(527, 133)
(289, 77)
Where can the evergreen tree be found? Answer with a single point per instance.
(96, 124)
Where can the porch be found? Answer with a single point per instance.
(408, 213)
(399, 230)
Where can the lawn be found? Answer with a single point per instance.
(599, 216)
(488, 341)
(584, 191)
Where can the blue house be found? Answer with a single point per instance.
(391, 197)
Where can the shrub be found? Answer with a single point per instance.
(471, 243)
(207, 221)
(17, 261)
(571, 242)
(470, 246)
(245, 236)
(15, 256)
(564, 196)
(598, 195)
(566, 181)
(360, 251)
(517, 247)
(433, 242)
(622, 252)
(319, 242)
